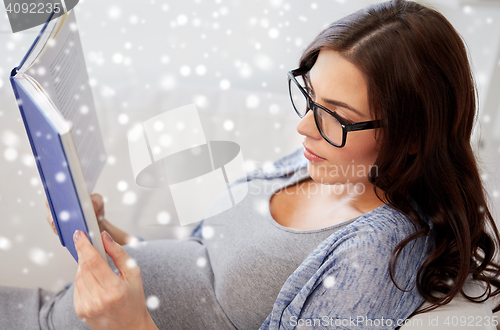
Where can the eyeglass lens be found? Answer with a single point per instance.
(329, 125)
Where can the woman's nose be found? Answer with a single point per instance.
(307, 126)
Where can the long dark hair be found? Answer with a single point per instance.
(420, 85)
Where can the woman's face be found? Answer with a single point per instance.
(335, 78)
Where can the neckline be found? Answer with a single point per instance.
(292, 180)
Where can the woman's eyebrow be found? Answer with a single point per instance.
(335, 102)
(343, 105)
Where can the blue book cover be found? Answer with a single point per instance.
(68, 163)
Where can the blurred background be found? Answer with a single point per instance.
(230, 57)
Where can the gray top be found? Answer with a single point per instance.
(230, 277)
(251, 255)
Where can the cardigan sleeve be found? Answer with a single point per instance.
(351, 287)
(356, 291)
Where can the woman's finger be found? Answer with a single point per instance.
(98, 203)
(93, 286)
(53, 225)
(82, 299)
(94, 262)
(127, 267)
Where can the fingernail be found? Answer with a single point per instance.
(108, 237)
(76, 235)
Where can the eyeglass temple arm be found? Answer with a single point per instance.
(363, 125)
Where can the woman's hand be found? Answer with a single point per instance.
(116, 233)
(97, 202)
(103, 299)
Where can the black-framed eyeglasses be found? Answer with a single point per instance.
(331, 126)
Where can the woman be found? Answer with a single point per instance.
(386, 207)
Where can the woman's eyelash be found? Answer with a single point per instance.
(310, 92)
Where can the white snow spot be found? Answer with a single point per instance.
(185, 70)
(207, 232)
(200, 101)
(123, 118)
(39, 256)
(163, 218)
(114, 12)
(225, 84)
(129, 198)
(196, 22)
(252, 101)
(118, 58)
(201, 262)
(107, 92)
(34, 181)
(245, 70)
(182, 19)
(273, 33)
(165, 59)
(152, 302)
(261, 206)
(180, 126)
(28, 160)
(263, 62)
(64, 215)
(131, 263)
(133, 19)
(122, 185)
(5, 243)
(158, 125)
(165, 140)
(60, 177)
(276, 3)
(10, 139)
(10, 154)
(274, 109)
(201, 70)
(182, 232)
(168, 82)
(96, 57)
(41, 71)
(329, 281)
(228, 125)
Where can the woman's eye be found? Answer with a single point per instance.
(347, 121)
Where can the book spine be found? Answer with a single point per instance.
(35, 154)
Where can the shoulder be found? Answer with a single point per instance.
(383, 225)
(353, 265)
(282, 167)
(369, 242)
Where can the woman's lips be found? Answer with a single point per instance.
(312, 156)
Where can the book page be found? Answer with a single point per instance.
(60, 70)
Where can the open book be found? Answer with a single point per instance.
(55, 100)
